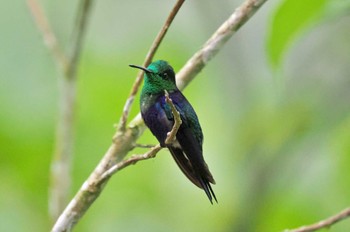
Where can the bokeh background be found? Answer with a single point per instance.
(274, 106)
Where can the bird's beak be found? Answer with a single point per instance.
(140, 67)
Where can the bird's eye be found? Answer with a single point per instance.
(165, 75)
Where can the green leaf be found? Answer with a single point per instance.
(290, 18)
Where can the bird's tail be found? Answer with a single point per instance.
(201, 178)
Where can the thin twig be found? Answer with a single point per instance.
(78, 36)
(144, 145)
(324, 223)
(124, 140)
(132, 160)
(60, 178)
(147, 61)
(62, 156)
(177, 120)
(49, 37)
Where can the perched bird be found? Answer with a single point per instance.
(157, 114)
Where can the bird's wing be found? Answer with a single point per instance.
(184, 164)
(189, 156)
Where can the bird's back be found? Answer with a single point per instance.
(187, 150)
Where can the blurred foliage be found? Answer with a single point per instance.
(292, 17)
(289, 19)
(278, 144)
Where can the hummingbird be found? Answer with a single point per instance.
(187, 148)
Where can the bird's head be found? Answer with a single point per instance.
(159, 76)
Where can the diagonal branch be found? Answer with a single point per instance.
(49, 37)
(198, 61)
(124, 139)
(132, 160)
(104, 177)
(148, 59)
(61, 163)
(327, 223)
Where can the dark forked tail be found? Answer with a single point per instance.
(197, 177)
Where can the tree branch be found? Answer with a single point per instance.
(132, 160)
(49, 37)
(124, 140)
(61, 163)
(324, 223)
(148, 59)
(198, 61)
(63, 151)
(78, 37)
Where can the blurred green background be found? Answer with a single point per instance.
(274, 106)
